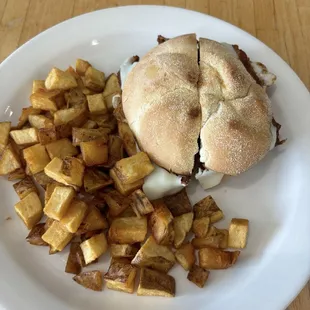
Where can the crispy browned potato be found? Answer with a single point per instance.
(178, 203)
(123, 250)
(29, 209)
(24, 187)
(37, 84)
(155, 283)
(96, 104)
(210, 258)
(140, 203)
(154, 256)
(116, 153)
(215, 238)
(185, 256)
(94, 152)
(112, 87)
(121, 276)
(17, 174)
(106, 121)
(47, 135)
(81, 66)
(238, 233)
(201, 227)
(125, 189)
(42, 179)
(58, 79)
(63, 131)
(9, 161)
(47, 100)
(90, 279)
(182, 224)
(5, 128)
(161, 222)
(117, 203)
(84, 134)
(74, 117)
(61, 148)
(72, 171)
(36, 158)
(94, 79)
(128, 230)
(94, 247)
(128, 138)
(35, 235)
(73, 264)
(40, 121)
(95, 179)
(198, 276)
(94, 220)
(75, 97)
(128, 213)
(23, 119)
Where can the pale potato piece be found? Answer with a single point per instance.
(36, 158)
(198, 276)
(94, 247)
(94, 79)
(140, 203)
(24, 187)
(96, 104)
(35, 235)
(111, 85)
(37, 84)
(185, 256)
(40, 121)
(238, 233)
(182, 225)
(58, 79)
(29, 209)
(128, 138)
(49, 190)
(74, 117)
(9, 161)
(210, 258)
(26, 136)
(61, 148)
(42, 179)
(84, 134)
(47, 100)
(123, 250)
(81, 66)
(23, 119)
(5, 128)
(90, 279)
(59, 202)
(94, 152)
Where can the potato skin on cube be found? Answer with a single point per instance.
(178, 203)
(61, 148)
(238, 233)
(24, 187)
(90, 279)
(73, 264)
(140, 203)
(35, 235)
(198, 276)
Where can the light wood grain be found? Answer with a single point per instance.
(284, 25)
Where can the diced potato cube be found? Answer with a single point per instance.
(24, 187)
(59, 202)
(90, 279)
(198, 276)
(75, 97)
(140, 203)
(123, 250)
(210, 258)
(9, 161)
(5, 128)
(83, 135)
(53, 170)
(116, 153)
(154, 256)
(128, 138)
(94, 79)
(25, 136)
(73, 264)
(61, 148)
(94, 247)
(160, 221)
(128, 230)
(57, 236)
(201, 227)
(36, 158)
(42, 179)
(125, 189)
(182, 225)
(63, 131)
(215, 238)
(23, 119)
(155, 283)
(94, 220)
(47, 135)
(185, 256)
(40, 121)
(29, 209)
(134, 168)
(111, 85)
(49, 190)
(35, 235)
(74, 117)
(178, 203)
(121, 276)
(96, 104)
(94, 152)
(17, 174)
(90, 125)
(81, 66)
(47, 100)
(58, 79)
(95, 179)
(208, 207)
(37, 84)
(238, 233)
(117, 203)
(74, 215)
(106, 121)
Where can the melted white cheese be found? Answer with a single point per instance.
(266, 77)
(274, 137)
(208, 178)
(125, 68)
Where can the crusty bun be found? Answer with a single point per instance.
(160, 102)
(236, 112)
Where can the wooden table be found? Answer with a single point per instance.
(284, 25)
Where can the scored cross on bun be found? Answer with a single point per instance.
(185, 97)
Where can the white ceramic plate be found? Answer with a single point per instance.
(274, 195)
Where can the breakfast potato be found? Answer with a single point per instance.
(53, 170)
(26, 136)
(29, 209)
(140, 203)
(128, 138)
(128, 230)
(201, 227)
(238, 233)
(94, 220)
(111, 101)
(49, 190)
(58, 79)
(94, 247)
(17, 174)
(59, 202)
(72, 171)
(128, 213)
(90, 279)
(185, 256)
(155, 256)
(123, 250)
(40, 121)
(116, 153)
(24, 187)
(61, 148)
(63, 131)
(84, 134)
(125, 189)
(161, 222)
(36, 158)
(96, 104)
(94, 79)
(74, 216)
(106, 121)
(73, 264)
(42, 179)
(178, 203)
(5, 128)
(111, 85)
(117, 203)
(94, 152)
(9, 161)
(35, 235)
(37, 85)
(95, 179)
(90, 124)
(134, 168)
(155, 283)
(23, 119)
(215, 238)
(74, 117)
(81, 66)
(207, 207)
(210, 258)
(47, 135)
(75, 97)
(198, 276)
(47, 100)
(48, 223)
(182, 224)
